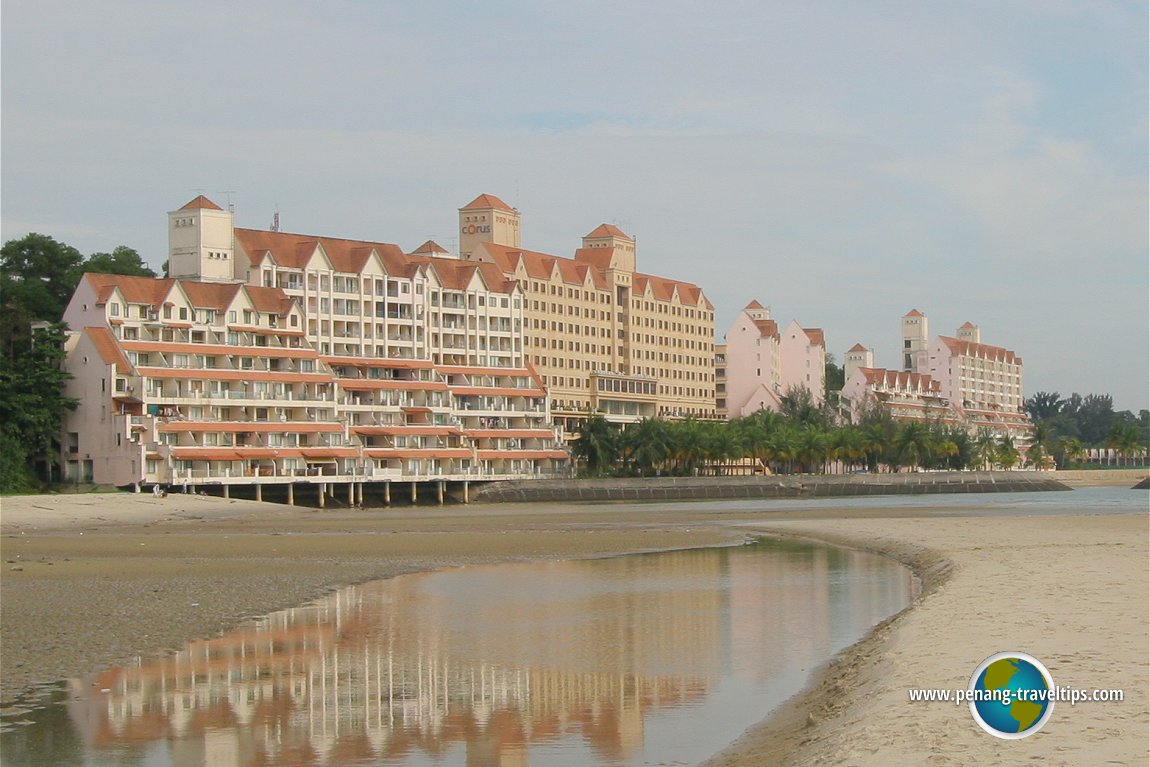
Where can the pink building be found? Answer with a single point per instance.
(762, 362)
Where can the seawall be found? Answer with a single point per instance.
(791, 486)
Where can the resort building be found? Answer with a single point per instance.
(603, 336)
(268, 357)
(955, 379)
(764, 363)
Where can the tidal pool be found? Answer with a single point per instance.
(660, 658)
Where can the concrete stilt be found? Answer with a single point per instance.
(351, 494)
(291, 494)
(465, 498)
(227, 491)
(387, 493)
(414, 493)
(259, 492)
(439, 491)
(360, 493)
(322, 493)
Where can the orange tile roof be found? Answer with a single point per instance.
(269, 300)
(816, 336)
(135, 290)
(984, 351)
(201, 202)
(211, 295)
(913, 313)
(901, 381)
(767, 328)
(967, 325)
(109, 349)
(607, 230)
(429, 248)
(484, 201)
(858, 348)
(753, 305)
(295, 250)
(600, 258)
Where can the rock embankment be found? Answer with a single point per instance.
(804, 486)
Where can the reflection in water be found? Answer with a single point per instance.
(614, 661)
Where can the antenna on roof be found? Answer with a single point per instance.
(276, 219)
(229, 193)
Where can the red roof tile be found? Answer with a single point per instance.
(201, 202)
(607, 230)
(983, 351)
(485, 201)
(109, 348)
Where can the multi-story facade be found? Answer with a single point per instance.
(604, 337)
(952, 379)
(276, 356)
(763, 363)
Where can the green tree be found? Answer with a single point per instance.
(37, 277)
(32, 407)
(597, 445)
(913, 444)
(1007, 455)
(645, 446)
(1126, 440)
(1069, 450)
(1040, 443)
(122, 260)
(984, 450)
(1043, 405)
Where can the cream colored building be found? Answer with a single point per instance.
(980, 385)
(604, 336)
(280, 357)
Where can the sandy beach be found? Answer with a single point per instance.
(93, 580)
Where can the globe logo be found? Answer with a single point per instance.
(1011, 695)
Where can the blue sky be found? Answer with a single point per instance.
(840, 162)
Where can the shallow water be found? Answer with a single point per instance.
(646, 659)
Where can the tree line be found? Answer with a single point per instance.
(1069, 426)
(800, 439)
(37, 278)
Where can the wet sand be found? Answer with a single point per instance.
(93, 580)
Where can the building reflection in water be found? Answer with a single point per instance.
(488, 665)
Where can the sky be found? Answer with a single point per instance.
(840, 162)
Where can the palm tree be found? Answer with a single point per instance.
(1008, 454)
(783, 443)
(984, 450)
(1071, 450)
(597, 445)
(645, 445)
(1038, 451)
(1125, 440)
(913, 444)
(811, 449)
(849, 445)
